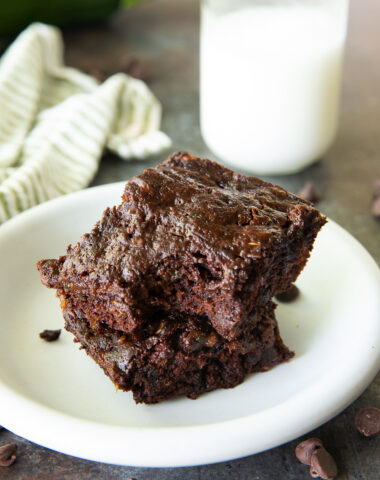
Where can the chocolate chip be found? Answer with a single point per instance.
(322, 464)
(309, 193)
(376, 207)
(8, 454)
(306, 448)
(367, 421)
(50, 335)
(289, 295)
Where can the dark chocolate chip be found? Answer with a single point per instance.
(376, 188)
(376, 207)
(50, 335)
(309, 193)
(322, 464)
(367, 421)
(289, 295)
(8, 454)
(306, 448)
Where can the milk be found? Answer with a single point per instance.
(270, 84)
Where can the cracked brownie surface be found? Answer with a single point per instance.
(170, 293)
(193, 236)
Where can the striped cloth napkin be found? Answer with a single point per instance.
(55, 121)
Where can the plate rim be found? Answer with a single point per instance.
(186, 436)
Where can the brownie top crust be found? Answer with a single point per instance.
(193, 205)
(188, 212)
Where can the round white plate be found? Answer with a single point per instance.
(54, 395)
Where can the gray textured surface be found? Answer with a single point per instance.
(164, 35)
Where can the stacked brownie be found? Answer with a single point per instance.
(170, 293)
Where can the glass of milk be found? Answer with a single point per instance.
(270, 76)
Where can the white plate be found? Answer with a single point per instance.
(54, 395)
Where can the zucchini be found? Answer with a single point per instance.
(15, 15)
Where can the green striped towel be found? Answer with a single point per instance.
(55, 121)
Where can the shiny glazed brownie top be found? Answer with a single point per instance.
(191, 208)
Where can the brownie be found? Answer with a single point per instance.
(180, 355)
(170, 293)
(190, 236)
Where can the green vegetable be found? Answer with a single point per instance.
(130, 3)
(15, 15)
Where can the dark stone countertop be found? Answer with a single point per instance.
(163, 35)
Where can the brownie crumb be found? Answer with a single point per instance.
(50, 335)
(8, 454)
(289, 295)
(367, 421)
(309, 193)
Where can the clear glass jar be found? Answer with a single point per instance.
(270, 76)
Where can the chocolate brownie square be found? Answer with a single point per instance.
(190, 236)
